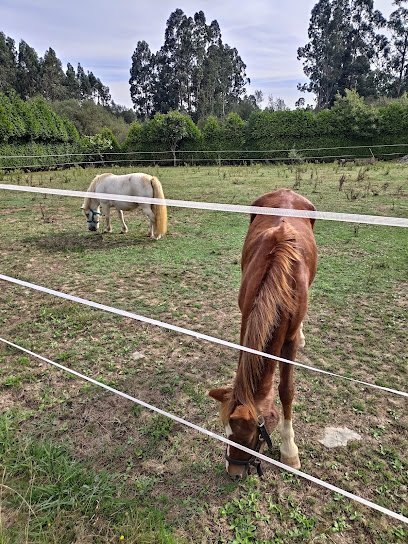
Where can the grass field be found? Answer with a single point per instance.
(78, 465)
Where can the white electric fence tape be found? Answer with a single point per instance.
(189, 332)
(213, 206)
(202, 430)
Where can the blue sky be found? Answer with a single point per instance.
(102, 35)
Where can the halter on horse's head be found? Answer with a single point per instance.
(93, 219)
(241, 427)
(251, 461)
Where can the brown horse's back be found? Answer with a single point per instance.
(279, 261)
(269, 233)
(283, 198)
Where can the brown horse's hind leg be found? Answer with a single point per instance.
(288, 449)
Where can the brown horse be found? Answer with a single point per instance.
(279, 261)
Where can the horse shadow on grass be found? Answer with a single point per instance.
(81, 243)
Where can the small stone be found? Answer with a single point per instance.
(137, 355)
(338, 436)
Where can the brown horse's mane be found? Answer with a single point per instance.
(274, 297)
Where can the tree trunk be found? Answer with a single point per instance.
(401, 73)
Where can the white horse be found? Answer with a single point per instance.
(129, 185)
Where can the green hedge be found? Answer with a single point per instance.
(40, 156)
(32, 121)
(271, 135)
(31, 128)
(99, 149)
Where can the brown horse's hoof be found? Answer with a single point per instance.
(293, 462)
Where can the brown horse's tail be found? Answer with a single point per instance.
(160, 211)
(272, 268)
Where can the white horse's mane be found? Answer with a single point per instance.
(98, 179)
(92, 188)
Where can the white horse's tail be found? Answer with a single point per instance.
(160, 211)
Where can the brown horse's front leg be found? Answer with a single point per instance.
(288, 449)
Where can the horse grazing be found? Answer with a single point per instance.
(279, 262)
(129, 185)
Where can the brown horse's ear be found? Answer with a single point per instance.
(222, 394)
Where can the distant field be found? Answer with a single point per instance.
(79, 465)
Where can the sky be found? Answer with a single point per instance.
(102, 35)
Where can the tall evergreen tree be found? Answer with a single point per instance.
(28, 71)
(398, 60)
(179, 55)
(103, 94)
(142, 80)
(343, 48)
(52, 77)
(85, 90)
(93, 83)
(193, 71)
(71, 83)
(29, 75)
(8, 63)
(200, 40)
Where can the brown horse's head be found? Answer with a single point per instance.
(244, 427)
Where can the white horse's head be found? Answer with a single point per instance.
(92, 217)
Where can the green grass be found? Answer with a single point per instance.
(51, 498)
(356, 326)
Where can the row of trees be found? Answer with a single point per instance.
(349, 122)
(348, 49)
(193, 71)
(29, 75)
